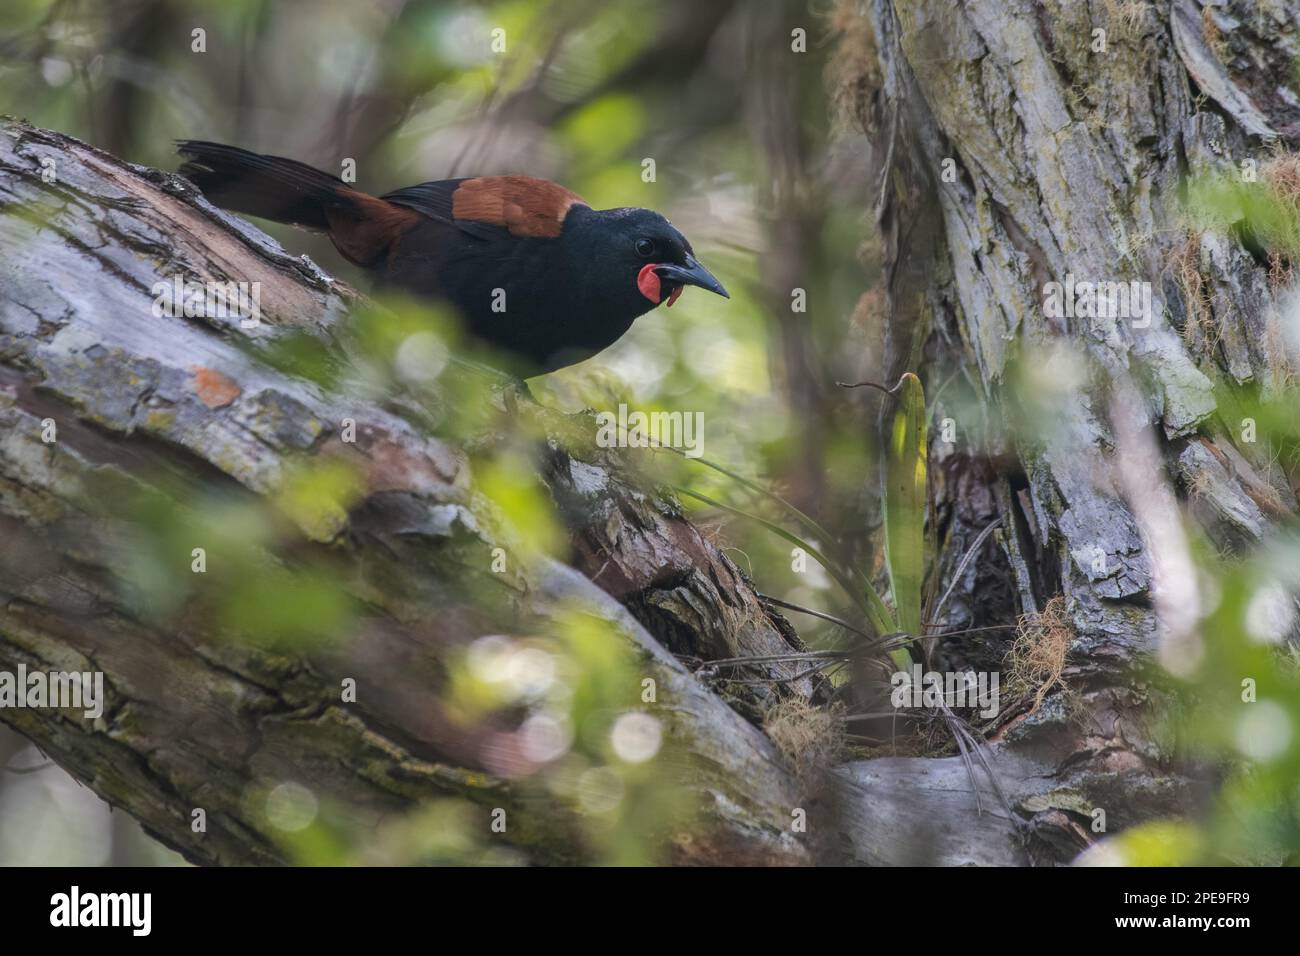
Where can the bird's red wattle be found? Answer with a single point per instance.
(647, 280)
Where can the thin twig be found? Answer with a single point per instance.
(815, 613)
(965, 758)
(964, 563)
(789, 606)
(972, 630)
(876, 385)
(22, 770)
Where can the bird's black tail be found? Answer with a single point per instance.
(270, 187)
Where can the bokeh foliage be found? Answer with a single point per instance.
(584, 93)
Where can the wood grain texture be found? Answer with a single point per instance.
(196, 721)
(1071, 161)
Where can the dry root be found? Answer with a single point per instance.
(1036, 661)
(812, 738)
(1196, 294)
(854, 75)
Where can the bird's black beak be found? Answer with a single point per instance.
(692, 273)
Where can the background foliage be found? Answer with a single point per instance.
(738, 125)
(750, 167)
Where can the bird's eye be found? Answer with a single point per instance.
(645, 248)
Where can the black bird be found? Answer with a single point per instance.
(533, 270)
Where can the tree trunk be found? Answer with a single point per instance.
(1017, 145)
(1067, 161)
(195, 721)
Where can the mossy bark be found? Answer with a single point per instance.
(195, 721)
(1017, 143)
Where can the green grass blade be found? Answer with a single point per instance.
(905, 494)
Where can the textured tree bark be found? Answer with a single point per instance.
(1068, 162)
(194, 721)
(1069, 155)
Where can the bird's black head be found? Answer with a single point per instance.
(634, 259)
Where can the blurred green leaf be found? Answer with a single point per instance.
(905, 500)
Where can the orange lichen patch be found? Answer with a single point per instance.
(1260, 491)
(395, 468)
(214, 389)
(524, 205)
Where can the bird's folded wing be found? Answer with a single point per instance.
(521, 205)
